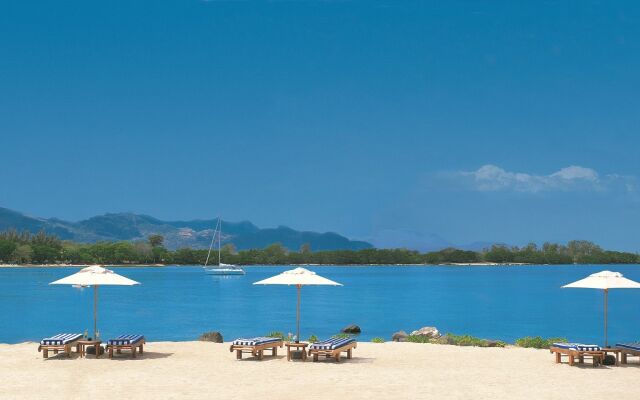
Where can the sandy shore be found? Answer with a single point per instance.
(199, 370)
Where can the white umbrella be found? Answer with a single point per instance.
(605, 280)
(95, 276)
(299, 277)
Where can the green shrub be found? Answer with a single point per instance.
(538, 342)
(457, 340)
(313, 339)
(378, 340)
(342, 336)
(276, 334)
(418, 339)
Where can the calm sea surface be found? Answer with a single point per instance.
(180, 303)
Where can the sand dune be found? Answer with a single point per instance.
(198, 370)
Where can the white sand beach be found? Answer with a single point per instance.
(201, 370)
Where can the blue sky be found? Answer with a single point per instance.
(473, 121)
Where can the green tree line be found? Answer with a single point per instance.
(42, 248)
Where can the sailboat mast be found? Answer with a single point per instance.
(219, 238)
(213, 239)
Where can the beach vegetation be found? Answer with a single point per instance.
(156, 240)
(456, 340)
(45, 248)
(313, 339)
(343, 335)
(276, 334)
(22, 254)
(6, 250)
(537, 342)
(377, 340)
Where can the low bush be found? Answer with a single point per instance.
(457, 340)
(537, 342)
(276, 334)
(343, 336)
(419, 339)
(313, 339)
(378, 340)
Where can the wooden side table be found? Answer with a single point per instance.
(293, 346)
(83, 344)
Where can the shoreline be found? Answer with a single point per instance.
(487, 264)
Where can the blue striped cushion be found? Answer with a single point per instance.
(125, 340)
(331, 344)
(632, 346)
(577, 346)
(256, 341)
(60, 339)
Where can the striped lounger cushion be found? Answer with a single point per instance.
(331, 344)
(60, 339)
(577, 346)
(125, 340)
(256, 341)
(631, 346)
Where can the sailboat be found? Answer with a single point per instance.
(221, 268)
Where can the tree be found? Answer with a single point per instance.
(44, 254)
(305, 248)
(6, 249)
(22, 254)
(499, 254)
(274, 254)
(229, 248)
(156, 240)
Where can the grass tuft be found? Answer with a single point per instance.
(537, 342)
(457, 340)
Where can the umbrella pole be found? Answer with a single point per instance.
(606, 300)
(298, 317)
(95, 312)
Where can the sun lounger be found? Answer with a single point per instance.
(579, 351)
(628, 350)
(132, 343)
(256, 346)
(60, 342)
(332, 348)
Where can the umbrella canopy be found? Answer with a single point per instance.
(604, 280)
(95, 276)
(298, 277)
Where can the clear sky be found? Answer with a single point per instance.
(382, 120)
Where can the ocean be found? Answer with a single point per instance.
(180, 303)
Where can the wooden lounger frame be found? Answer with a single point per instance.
(626, 352)
(335, 353)
(65, 348)
(133, 347)
(258, 350)
(597, 356)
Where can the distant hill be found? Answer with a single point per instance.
(425, 242)
(195, 234)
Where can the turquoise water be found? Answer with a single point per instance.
(180, 303)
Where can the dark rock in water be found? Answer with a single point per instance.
(351, 329)
(92, 350)
(400, 336)
(428, 331)
(215, 337)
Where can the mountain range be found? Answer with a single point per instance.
(194, 234)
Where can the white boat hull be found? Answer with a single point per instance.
(224, 271)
